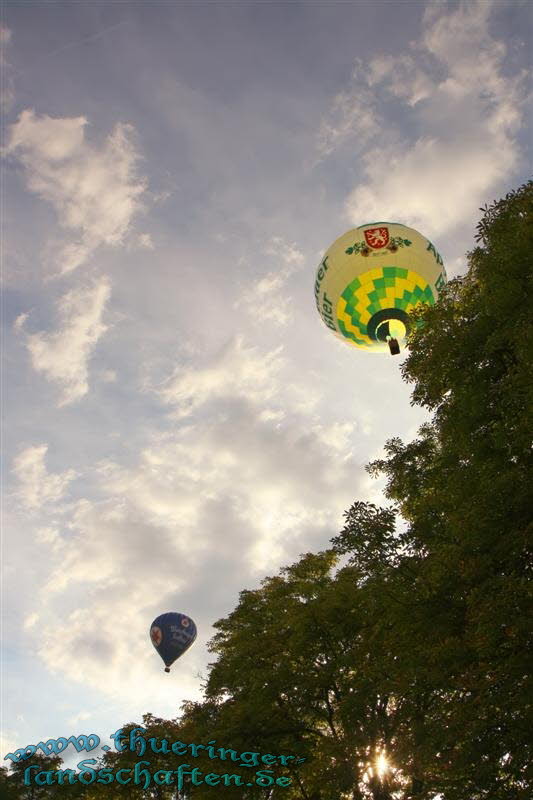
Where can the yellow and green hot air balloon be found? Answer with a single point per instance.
(371, 278)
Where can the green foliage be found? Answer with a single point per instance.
(464, 486)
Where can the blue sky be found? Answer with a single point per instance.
(178, 421)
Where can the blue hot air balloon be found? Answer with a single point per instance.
(172, 634)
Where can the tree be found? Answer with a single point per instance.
(464, 488)
(15, 787)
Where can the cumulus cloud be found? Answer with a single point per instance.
(145, 240)
(19, 323)
(352, 119)
(94, 190)
(63, 355)
(37, 486)
(81, 716)
(236, 369)
(30, 621)
(207, 509)
(108, 376)
(267, 299)
(9, 740)
(122, 555)
(465, 110)
(338, 435)
(242, 481)
(288, 253)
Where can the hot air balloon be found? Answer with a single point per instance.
(172, 634)
(371, 278)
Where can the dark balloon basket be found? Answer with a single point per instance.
(394, 347)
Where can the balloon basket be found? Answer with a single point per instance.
(394, 347)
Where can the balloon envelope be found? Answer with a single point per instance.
(172, 634)
(371, 278)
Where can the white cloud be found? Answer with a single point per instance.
(289, 253)
(50, 537)
(267, 299)
(79, 717)
(145, 240)
(208, 509)
(351, 119)
(30, 621)
(407, 80)
(266, 302)
(242, 482)
(338, 435)
(9, 742)
(94, 190)
(464, 108)
(63, 355)
(73, 255)
(433, 185)
(236, 370)
(113, 557)
(44, 140)
(19, 323)
(37, 486)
